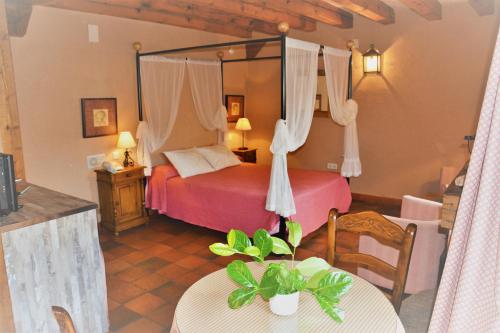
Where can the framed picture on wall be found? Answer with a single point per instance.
(99, 117)
(235, 105)
(317, 103)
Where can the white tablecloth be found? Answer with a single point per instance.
(203, 308)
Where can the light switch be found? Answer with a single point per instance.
(95, 161)
(116, 154)
(93, 33)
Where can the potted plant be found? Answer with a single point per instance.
(281, 282)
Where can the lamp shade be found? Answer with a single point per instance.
(243, 124)
(371, 60)
(125, 140)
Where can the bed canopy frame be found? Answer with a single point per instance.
(283, 29)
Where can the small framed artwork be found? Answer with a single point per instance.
(235, 105)
(317, 103)
(99, 117)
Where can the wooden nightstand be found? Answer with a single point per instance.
(249, 155)
(121, 198)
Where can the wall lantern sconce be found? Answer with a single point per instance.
(371, 60)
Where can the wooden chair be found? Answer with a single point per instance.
(386, 232)
(63, 319)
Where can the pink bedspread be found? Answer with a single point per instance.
(235, 197)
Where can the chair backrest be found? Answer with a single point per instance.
(63, 319)
(384, 231)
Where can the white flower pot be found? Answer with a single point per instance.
(284, 305)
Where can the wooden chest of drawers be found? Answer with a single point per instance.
(248, 155)
(451, 199)
(121, 198)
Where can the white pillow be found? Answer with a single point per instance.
(219, 156)
(189, 162)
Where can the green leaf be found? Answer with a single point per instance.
(289, 281)
(280, 246)
(330, 286)
(313, 282)
(335, 284)
(269, 284)
(312, 265)
(329, 306)
(297, 281)
(238, 240)
(241, 296)
(294, 233)
(222, 249)
(239, 273)
(252, 251)
(263, 241)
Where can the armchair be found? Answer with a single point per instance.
(428, 247)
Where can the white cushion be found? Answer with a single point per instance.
(189, 162)
(219, 156)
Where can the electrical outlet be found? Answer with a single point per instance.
(331, 166)
(95, 161)
(93, 30)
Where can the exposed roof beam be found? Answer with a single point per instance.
(483, 7)
(186, 8)
(18, 14)
(265, 27)
(429, 9)
(244, 8)
(375, 10)
(192, 22)
(253, 49)
(330, 15)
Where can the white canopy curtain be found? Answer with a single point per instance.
(290, 134)
(162, 80)
(468, 299)
(343, 111)
(205, 78)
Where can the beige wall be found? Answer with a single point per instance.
(413, 117)
(55, 66)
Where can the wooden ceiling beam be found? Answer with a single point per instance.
(248, 9)
(428, 9)
(192, 22)
(329, 15)
(374, 10)
(18, 14)
(189, 9)
(264, 27)
(483, 7)
(253, 49)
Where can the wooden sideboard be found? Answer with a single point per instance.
(50, 256)
(121, 198)
(451, 198)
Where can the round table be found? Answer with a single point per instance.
(204, 308)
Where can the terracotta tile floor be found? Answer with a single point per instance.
(148, 268)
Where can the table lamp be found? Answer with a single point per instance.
(126, 141)
(243, 125)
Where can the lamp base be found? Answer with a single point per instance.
(128, 162)
(243, 148)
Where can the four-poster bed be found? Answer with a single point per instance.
(194, 199)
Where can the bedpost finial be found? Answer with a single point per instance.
(137, 46)
(283, 27)
(220, 55)
(350, 44)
